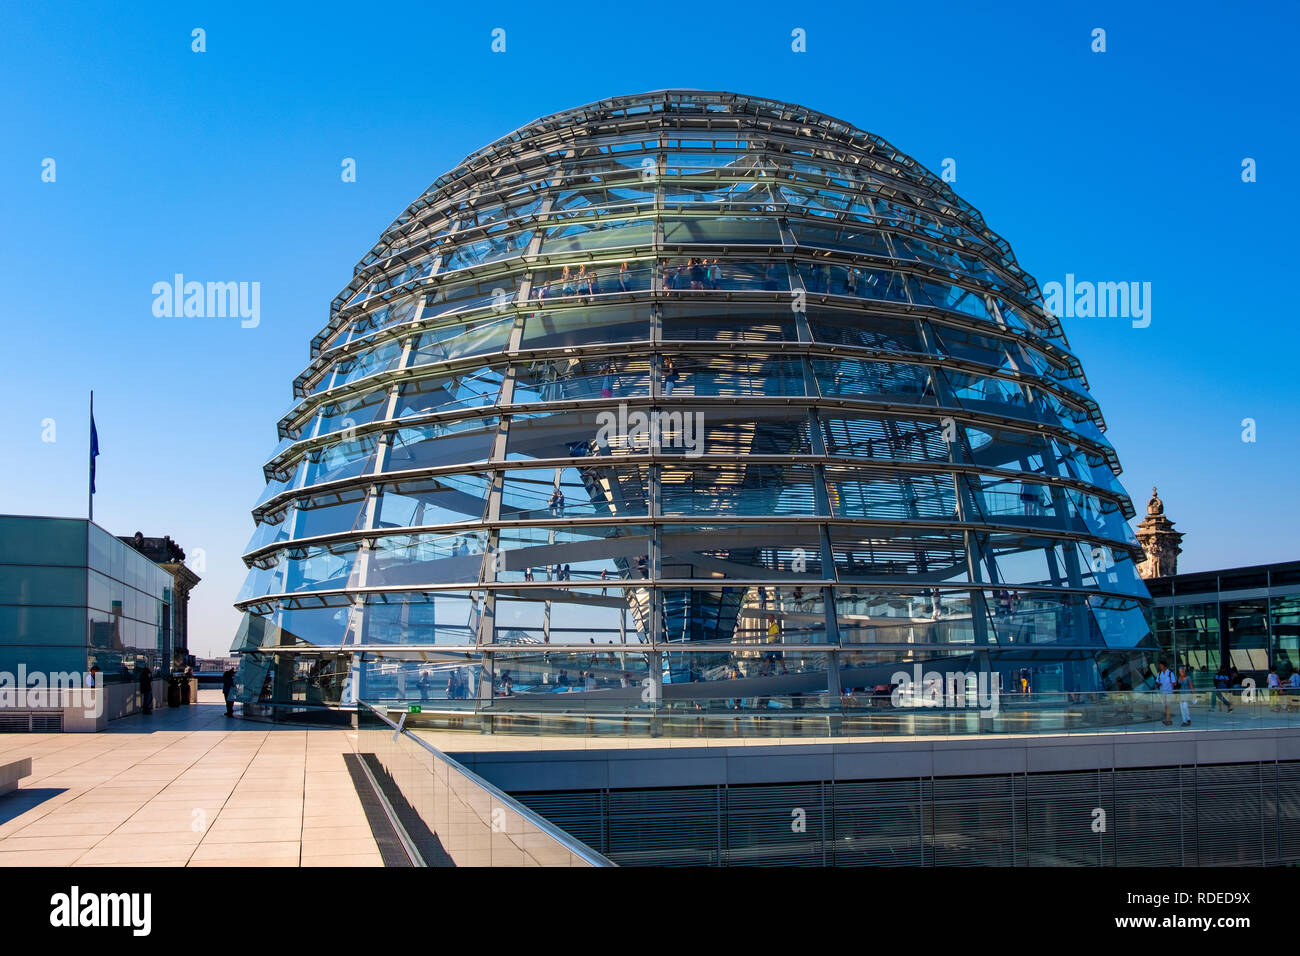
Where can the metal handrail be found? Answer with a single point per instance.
(567, 840)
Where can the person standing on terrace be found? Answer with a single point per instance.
(1185, 692)
(1165, 684)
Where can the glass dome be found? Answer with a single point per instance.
(676, 394)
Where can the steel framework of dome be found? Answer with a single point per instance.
(696, 392)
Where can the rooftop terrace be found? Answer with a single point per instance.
(186, 787)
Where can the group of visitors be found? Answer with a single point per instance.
(458, 684)
(843, 280)
(1224, 683)
(698, 273)
(560, 572)
(583, 283)
(1168, 685)
(586, 680)
(1277, 689)
(144, 676)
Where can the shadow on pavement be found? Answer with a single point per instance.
(18, 802)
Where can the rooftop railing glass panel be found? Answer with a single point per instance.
(936, 707)
(468, 821)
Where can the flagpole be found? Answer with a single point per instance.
(90, 486)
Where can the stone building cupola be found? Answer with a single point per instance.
(1161, 543)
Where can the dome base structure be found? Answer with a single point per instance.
(678, 400)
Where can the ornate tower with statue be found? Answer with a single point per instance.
(1161, 543)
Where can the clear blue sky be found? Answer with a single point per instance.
(225, 166)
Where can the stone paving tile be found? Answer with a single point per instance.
(291, 832)
(259, 812)
(353, 831)
(101, 866)
(246, 861)
(39, 857)
(45, 827)
(333, 820)
(284, 850)
(318, 847)
(161, 823)
(142, 854)
(76, 841)
(351, 859)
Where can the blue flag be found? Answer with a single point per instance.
(94, 451)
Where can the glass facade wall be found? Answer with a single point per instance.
(1189, 633)
(1284, 629)
(683, 387)
(1247, 618)
(1238, 814)
(72, 596)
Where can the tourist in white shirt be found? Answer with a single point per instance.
(1165, 681)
